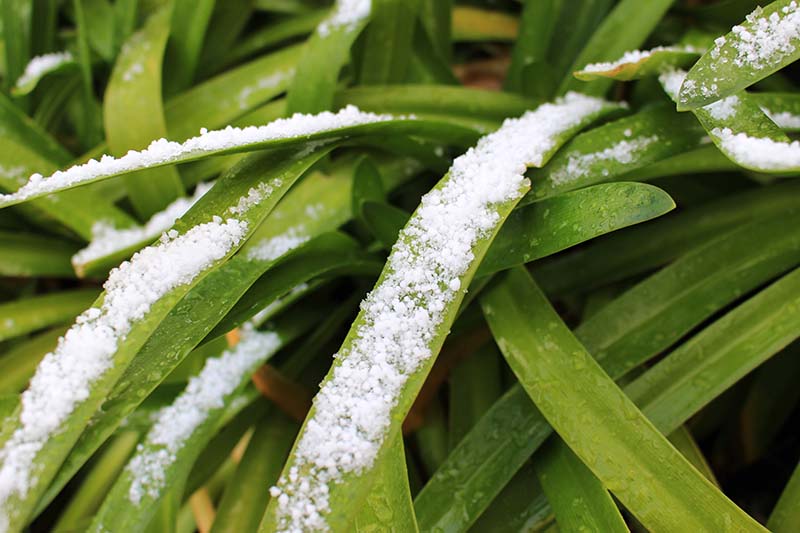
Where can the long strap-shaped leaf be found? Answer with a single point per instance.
(626, 27)
(609, 151)
(180, 430)
(768, 40)
(133, 113)
(717, 272)
(392, 344)
(389, 493)
(298, 129)
(602, 426)
(326, 52)
(71, 383)
(171, 341)
(580, 502)
(742, 130)
(785, 517)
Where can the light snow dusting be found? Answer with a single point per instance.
(596, 163)
(345, 14)
(759, 153)
(401, 316)
(204, 393)
(41, 65)
(107, 240)
(65, 376)
(783, 119)
(164, 152)
(767, 40)
(723, 109)
(635, 56)
(274, 247)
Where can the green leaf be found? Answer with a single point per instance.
(475, 24)
(228, 20)
(388, 505)
(37, 312)
(700, 369)
(188, 27)
(367, 186)
(648, 318)
(520, 506)
(683, 441)
(782, 108)
(475, 384)
(635, 66)
(98, 481)
(579, 500)
(26, 85)
(760, 45)
(387, 42)
(435, 17)
(134, 116)
(414, 247)
(19, 363)
(273, 34)
(785, 517)
(591, 414)
(119, 507)
(89, 125)
(641, 249)
(436, 99)
(529, 56)
(560, 222)
(738, 116)
(77, 210)
(162, 350)
(245, 499)
(190, 151)
(220, 100)
(614, 149)
(26, 149)
(16, 36)
(29, 255)
(172, 341)
(284, 169)
(717, 272)
(325, 53)
(769, 403)
(384, 221)
(625, 28)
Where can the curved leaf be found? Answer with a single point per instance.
(766, 41)
(639, 64)
(133, 113)
(637, 464)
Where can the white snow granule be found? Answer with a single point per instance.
(272, 248)
(580, 166)
(783, 119)
(41, 65)
(763, 43)
(66, 375)
(401, 316)
(205, 392)
(345, 14)
(723, 109)
(768, 40)
(163, 152)
(106, 239)
(759, 152)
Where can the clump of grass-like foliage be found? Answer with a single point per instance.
(552, 245)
